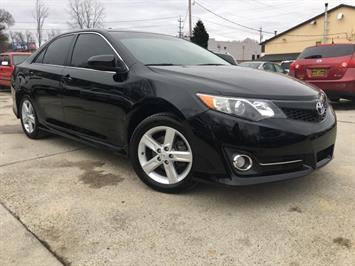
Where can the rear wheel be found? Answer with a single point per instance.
(161, 154)
(29, 120)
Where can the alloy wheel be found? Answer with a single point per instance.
(165, 155)
(28, 116)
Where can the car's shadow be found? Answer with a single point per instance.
(343, 105)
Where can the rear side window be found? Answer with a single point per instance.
(57, 51)
(327, 51)
(88, 45)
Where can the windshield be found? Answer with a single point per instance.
(327, 51)
(250, 64)
(165, 50)
(18, 59)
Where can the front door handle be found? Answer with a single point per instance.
(67, 79)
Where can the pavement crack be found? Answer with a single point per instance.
(45, 244)
(348, 122)
(40, 157)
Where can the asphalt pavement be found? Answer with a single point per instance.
(65, 203)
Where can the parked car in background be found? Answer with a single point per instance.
(330, 67)
(8, 61)
(286, 65)
(228, 57)
(267, 66)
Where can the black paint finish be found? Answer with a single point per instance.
(103, 107)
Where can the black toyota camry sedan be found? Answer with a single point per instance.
(180, 113)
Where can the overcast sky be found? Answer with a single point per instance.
(162, 15)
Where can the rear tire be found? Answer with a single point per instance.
(161, 154)
(29, 119)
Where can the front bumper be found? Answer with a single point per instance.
(270, 143)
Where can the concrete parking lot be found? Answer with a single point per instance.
(65, 203)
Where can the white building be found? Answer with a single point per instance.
(241, 50)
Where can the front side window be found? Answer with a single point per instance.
(88, 45)
(166, 50)
(57, 51)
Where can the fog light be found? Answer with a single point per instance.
(242, 162)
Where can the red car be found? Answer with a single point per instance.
(330, 67)
(8, 61)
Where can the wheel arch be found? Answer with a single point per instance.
(147, 108)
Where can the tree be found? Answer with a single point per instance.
(29, 37)
(40, 15)
(6, 20)
(200, 35)
(86, 14)
(52, 33)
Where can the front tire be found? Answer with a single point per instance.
(161, 154)
(29, 119)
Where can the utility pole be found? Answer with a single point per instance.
(180, 34)
(190, 20)
(261, 34)
(325, 33)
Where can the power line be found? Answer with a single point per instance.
(228, 20)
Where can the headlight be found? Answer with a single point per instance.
(251, 109)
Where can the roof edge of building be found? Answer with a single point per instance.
(305, 22)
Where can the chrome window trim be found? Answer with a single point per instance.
(103, 37)
(84, 32)
(80, 68)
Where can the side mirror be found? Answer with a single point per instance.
(107, 63)
(5, 63)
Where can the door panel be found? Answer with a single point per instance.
(45, 81)
(45, 77)
(94, 104)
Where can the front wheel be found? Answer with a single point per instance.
(161, 154)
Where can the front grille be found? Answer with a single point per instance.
(303, 114)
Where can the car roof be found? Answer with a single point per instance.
(108, 31)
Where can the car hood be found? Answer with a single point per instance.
(237, 82)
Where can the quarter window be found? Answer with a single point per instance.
(88, 45)
(57, 51)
